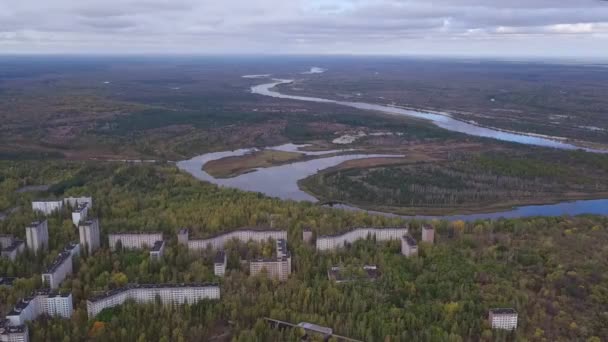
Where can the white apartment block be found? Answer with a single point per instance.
(219, 263)
(146, 293)
(37, 236)
(331, 242)
(134, 240)
(89, 235)
(61, 267)
(409, 247)
(75, 201)
(503, 318)
(307, 235)
(279, 268)
(428, 234)
(244, 235)
(157, 250)
(42, 302)
(10, 247)
(6, 240)
(47, 207)
(79, 213)
(13, 333)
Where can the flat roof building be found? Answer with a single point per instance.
(13, 333)
(13, 250)
(409, 247)
(219, 264)
(37, 236)
(79, 213)
(73, 202)
(279, 268)
(61, 267)
(41, 302)
(503, 318)
(335, 241)
(428, 233)
(47, 207)
(134, 240)
(88, 232)
(245, 234)
(146, 293)
(156, 253)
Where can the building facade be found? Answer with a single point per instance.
(219, 263)
(134, 240)
(79, 213)
(503, 318)
(217, 242)
(11, 248)
(331, 242)
(409, 247)
(428, 234)
(307, 235)
(47, 207)
(42, 302)
(156, 253)
(146, 293)
(37, 236)
(279, 268)
(88, 232)
(75, 201)
(58, 270)
(13, 333)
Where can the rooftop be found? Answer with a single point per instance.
(316, 328)
(7, 281)
(427, 227)
(88, 222)
(158, 245)
(61, 258)
(245, 229)
(16, 244)
(135, 233)
(220, 257)
(147, 286)
(503, 311)
(7, 328)
(80, 207)
(409, 240)
(360, 228)
(269, 260)
(35, 224)
(47, 200)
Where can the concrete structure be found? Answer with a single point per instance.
(157, 250)
(331, 242)
(279, 268)
(42, 302)
(7, 281)
(79, 213)
(75, 201)
(316, 328)
(61, 267)
(89, 235)
(428, 234)
(409, 247)
(134, 240)
(37, 236)
(282, 251)
(183, 236)
(13, 333)
(47, 207)
(10, 247)
(503, 318)
(244, 235)
(307, 235)
(146, 293)
(367, 273)
(219, 263)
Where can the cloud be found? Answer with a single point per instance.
(303, 26)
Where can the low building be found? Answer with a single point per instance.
(134, 240)
(503, 318)
(61, 267)
(73, 202)
(428, 234)
(156, 253)
(311, 327)
(219, 263)
(47, 207)
(244, 235)
(88, 232)
(79, 213)
(146, 293)
(343, 275)
(13, 333)
(7, 281)
(41, 302)
(13, 250)
(335, 241)
(409, 247)
(279, 268)
(37, 236)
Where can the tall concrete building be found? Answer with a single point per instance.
(37, 236)
(89, 235)
(47, 207)
(13, 333)
(156, 253)
(503, 318)
(42, 302)
(61, 267)
(79, 213)
(335, 241)
(428, 234)
(409, 247)
(134, 240)
(279, 268)
(246, 234)
(147, 293)
(219, 263)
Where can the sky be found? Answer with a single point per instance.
(504, 28)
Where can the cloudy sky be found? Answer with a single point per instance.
(555, 28)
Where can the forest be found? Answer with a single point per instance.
(468, 180)
(551, 270)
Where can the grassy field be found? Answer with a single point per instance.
(234, 166)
